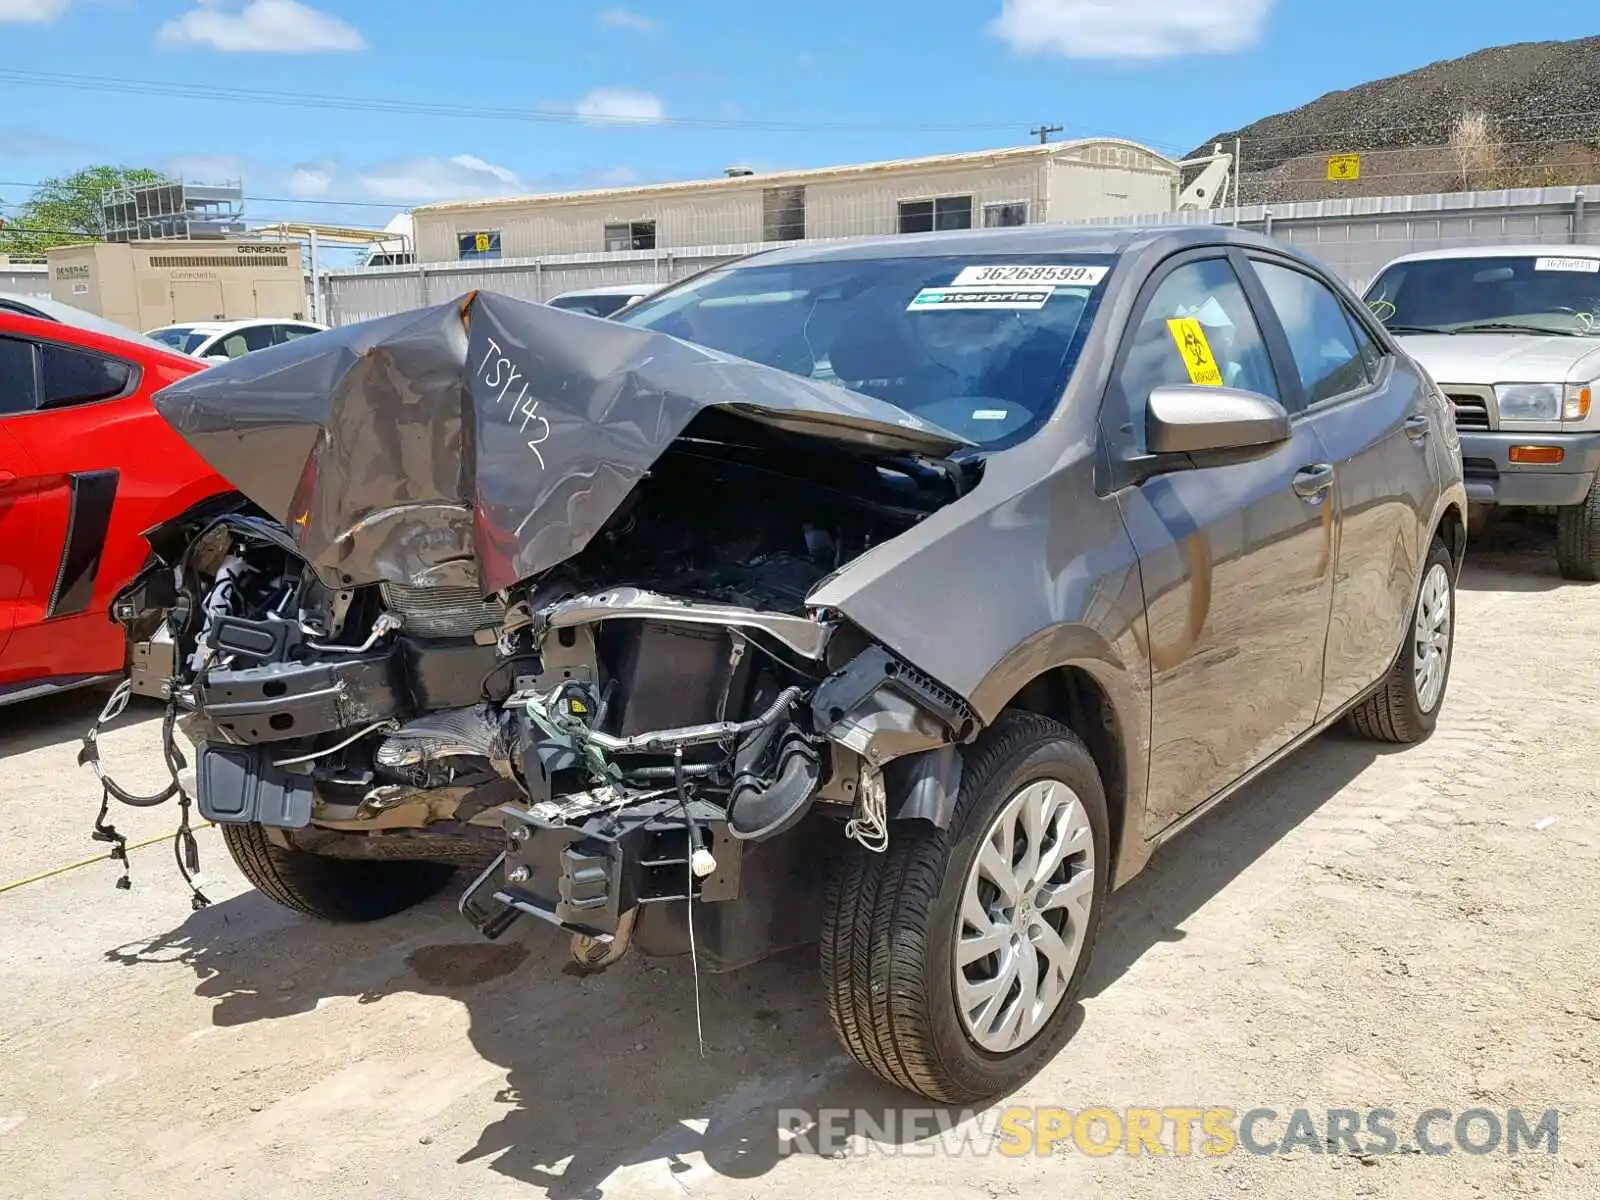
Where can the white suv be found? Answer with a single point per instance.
(218, 341)
(1512, 335)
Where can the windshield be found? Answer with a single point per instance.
(595, 306)
(1490, 294)
(982, 346)
(180, 337)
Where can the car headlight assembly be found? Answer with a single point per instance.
(1575, 403)
(1529, 401)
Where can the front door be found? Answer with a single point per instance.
(1236, 561)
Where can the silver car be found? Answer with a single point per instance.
(899, 595)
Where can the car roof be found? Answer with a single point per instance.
(215, 327)
(1501, 251)
(69, 314)
(1021, 239)
(611, 289)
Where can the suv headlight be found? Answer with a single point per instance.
(1529, 401)
(1543, 401)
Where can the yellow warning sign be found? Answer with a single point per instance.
(481, 243)
(1196, 351)
(1343, 167)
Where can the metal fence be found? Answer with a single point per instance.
(1353, 237)
(24, 279)
(1357, 237)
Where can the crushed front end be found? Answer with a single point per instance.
(655, 716)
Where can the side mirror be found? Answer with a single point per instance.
(216, 358)
(1194, 419)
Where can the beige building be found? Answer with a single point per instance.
(1060, 181)
(144, 285)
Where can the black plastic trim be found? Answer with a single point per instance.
(93, 493)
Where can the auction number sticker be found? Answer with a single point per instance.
(1038, 273)
(1191, 341)
(1589, 265)
(986, 296)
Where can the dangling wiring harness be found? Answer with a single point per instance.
(185, 850)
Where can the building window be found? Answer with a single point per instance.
(631, 235)
(783, 214)
(1005, 214)
(943, 212)
(482, 244)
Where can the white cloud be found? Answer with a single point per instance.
(422, 179)
(206, 168)
(36, 11)
(621, 18)
(309, 182)
(620, 106)
(614, 177)
(1130, 29)
(268, 26)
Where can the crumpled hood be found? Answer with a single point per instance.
(486, 440)
(1490, 358)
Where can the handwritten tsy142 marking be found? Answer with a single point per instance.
(498, 371)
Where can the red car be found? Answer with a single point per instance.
(86, 466)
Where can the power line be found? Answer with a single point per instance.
(1044, 131)
(97, 83)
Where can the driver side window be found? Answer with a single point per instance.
(1197, 316)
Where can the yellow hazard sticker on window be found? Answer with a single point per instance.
(1198, 360)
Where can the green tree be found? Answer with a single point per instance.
(66, 210)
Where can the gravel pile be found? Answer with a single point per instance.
(1542, 100)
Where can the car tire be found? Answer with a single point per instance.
(892, 920)
(331, 889)
(1578, 538)
(1403, 710)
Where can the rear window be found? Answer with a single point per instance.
(981, 346)
(594, 306)
(183, 340)
(72, 376)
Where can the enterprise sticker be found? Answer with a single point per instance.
(981, 297)
(1039, 273)
(1590, 265)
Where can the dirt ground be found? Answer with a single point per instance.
(1358, 929)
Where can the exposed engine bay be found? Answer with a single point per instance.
(636, 725)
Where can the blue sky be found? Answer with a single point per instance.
(650, 89)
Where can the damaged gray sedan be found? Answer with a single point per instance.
(901, 595)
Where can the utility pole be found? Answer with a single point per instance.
(1044, 131)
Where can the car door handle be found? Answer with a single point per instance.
(1418, 427)
(1312, 483)
(7, 478)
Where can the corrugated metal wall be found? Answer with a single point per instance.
(24, 279)
(1354, 237)
(1357, 237)
(362, 293)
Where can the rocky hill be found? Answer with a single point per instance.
(1538, 125)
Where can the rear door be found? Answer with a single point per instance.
(1236, 561)
(1373, 420)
